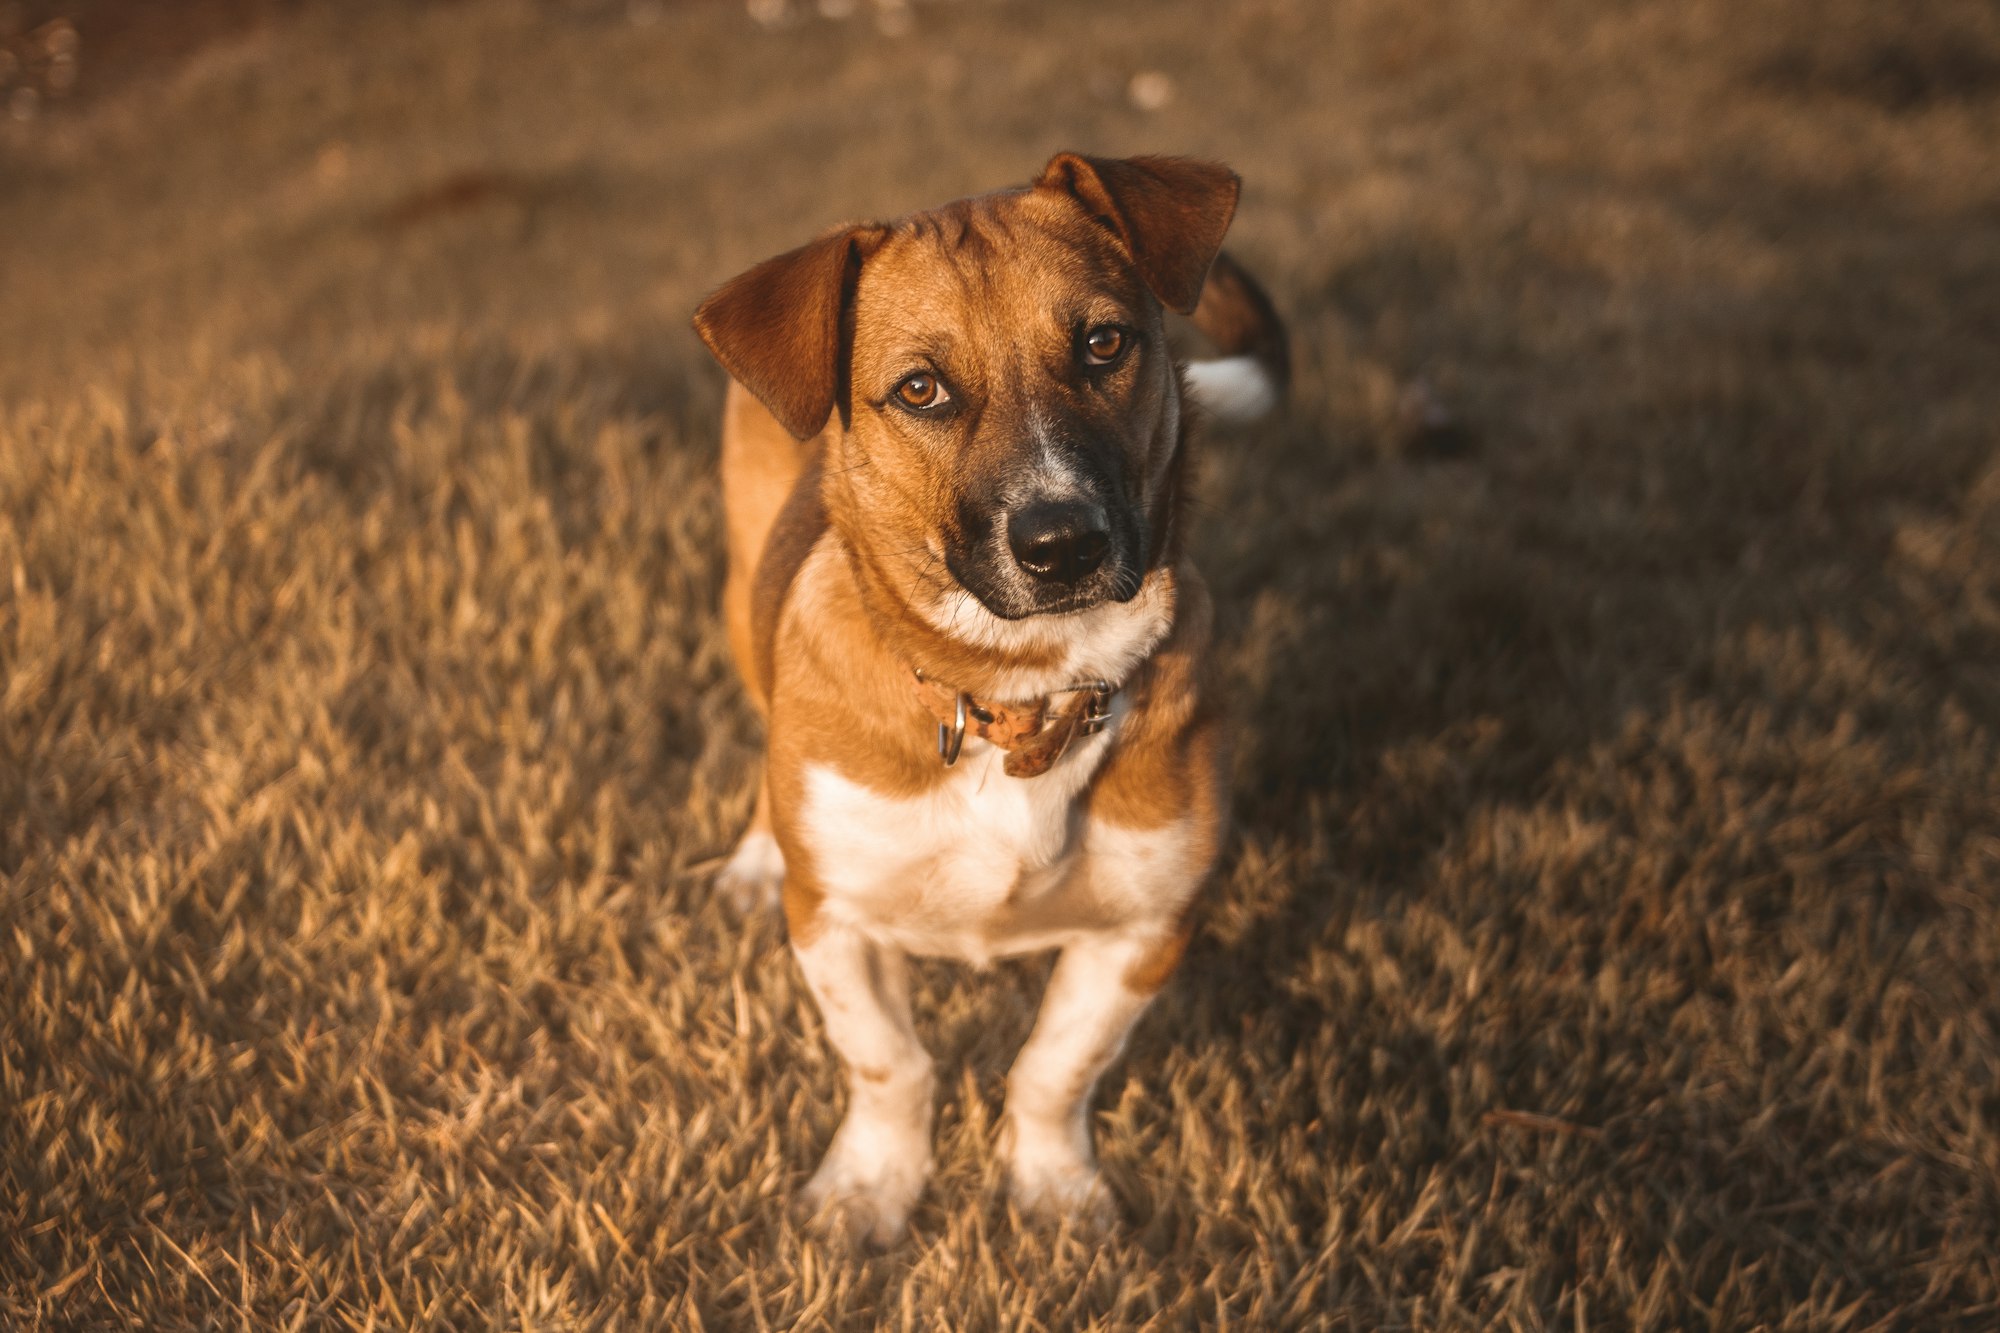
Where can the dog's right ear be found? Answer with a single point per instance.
(781, 328)
(1171, 213)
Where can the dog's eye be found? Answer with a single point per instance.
(921, 391)
(1103, 344)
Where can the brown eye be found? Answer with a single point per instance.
(920, 391)
(1102, 344)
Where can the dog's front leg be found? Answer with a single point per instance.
(1099, 987)
(881, 1154)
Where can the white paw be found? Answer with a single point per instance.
(867, 1185)
(1051, 1179)
(752, 877)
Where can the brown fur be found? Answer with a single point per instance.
(840, 529)
(761, 465)
(1238, 317)
(1153, 971)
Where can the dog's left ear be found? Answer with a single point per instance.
(780, 329)
(1171, 213)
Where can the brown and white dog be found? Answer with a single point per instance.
(952, 463)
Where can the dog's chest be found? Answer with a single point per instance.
(976, 867)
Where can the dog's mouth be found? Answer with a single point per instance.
(1007, 605)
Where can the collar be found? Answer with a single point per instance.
(1034, 732)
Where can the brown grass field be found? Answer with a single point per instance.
(1611, 934)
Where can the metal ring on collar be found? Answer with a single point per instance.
(952, 738)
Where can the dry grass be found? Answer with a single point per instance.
(1612, 933)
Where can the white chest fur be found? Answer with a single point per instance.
(977, 866)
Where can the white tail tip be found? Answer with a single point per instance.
(1233, 390)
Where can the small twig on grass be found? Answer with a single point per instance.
(697, 869)
(194, 1265)
(1539, 1123)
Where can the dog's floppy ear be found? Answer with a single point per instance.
(1171, 212)
(780, 328)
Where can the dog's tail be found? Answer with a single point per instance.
(1254, 371)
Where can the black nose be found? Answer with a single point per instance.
(1059, 541)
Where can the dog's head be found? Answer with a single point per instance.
(999, 365)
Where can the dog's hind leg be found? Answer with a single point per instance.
(752, 878)
(770, 498)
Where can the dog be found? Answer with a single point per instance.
(953, 459)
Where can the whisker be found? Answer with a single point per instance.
(923, 574)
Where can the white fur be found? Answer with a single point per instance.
(1149, 865)
(979, 866)
(754, 873)
(1087, 1013)
(1232, 390)
(966, 869)
(1055, 476)
(1106, 642)
(880, 1156)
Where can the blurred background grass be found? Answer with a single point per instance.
(1610, 936)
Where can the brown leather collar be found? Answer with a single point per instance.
(1034, 732)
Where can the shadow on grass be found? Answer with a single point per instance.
(1584, 782)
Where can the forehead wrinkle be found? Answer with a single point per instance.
(1075, 262)
(902, 312)
(968, 239)
(933, 296)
